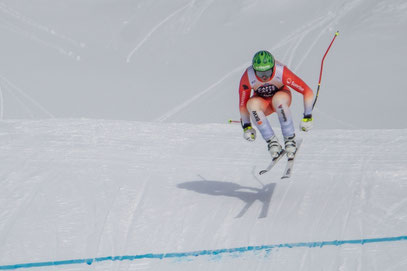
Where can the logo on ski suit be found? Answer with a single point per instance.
(267, 90)
(291, 83)
(282, 112)
(257, 118)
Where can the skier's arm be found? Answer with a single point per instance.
(244, 96)
(296, 83)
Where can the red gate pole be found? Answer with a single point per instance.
(322, 67)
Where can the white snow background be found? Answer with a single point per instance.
(116, 153)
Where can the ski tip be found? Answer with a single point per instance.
(262, 172)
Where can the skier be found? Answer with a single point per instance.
(269, 79)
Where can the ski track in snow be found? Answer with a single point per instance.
(334, 18)
(132, 212)
(26, 96)
(316, 40)
(21, 204)
(33, 37)
(165, 20)
(29, 22)
(33, 27)
(297, 44)
(21, 103)
(188, 102)
(155, 28)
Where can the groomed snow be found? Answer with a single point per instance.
(88, 189)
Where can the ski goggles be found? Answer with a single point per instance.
(262, 74)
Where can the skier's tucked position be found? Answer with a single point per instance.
(269, 79)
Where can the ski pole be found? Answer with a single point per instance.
(322, 67)
(233, 121)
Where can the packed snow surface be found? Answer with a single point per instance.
(86, 191)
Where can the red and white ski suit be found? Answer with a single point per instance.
(271, 96)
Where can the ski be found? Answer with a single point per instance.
(272, 163)
(290, 163)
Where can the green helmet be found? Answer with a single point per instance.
(263, 61)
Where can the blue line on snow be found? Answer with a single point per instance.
(205, 252)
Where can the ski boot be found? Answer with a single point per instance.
(290, 146)
(274, 147)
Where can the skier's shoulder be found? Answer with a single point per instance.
(279, 70)
(279, 65)
(245, 76)
(284, 72)
(248, 70)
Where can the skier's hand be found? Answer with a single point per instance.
(307, 123)
(249, 133)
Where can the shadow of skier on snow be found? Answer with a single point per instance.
(245, 193)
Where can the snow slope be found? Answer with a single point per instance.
(149, 191)
(181, 60)
(77, 193)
